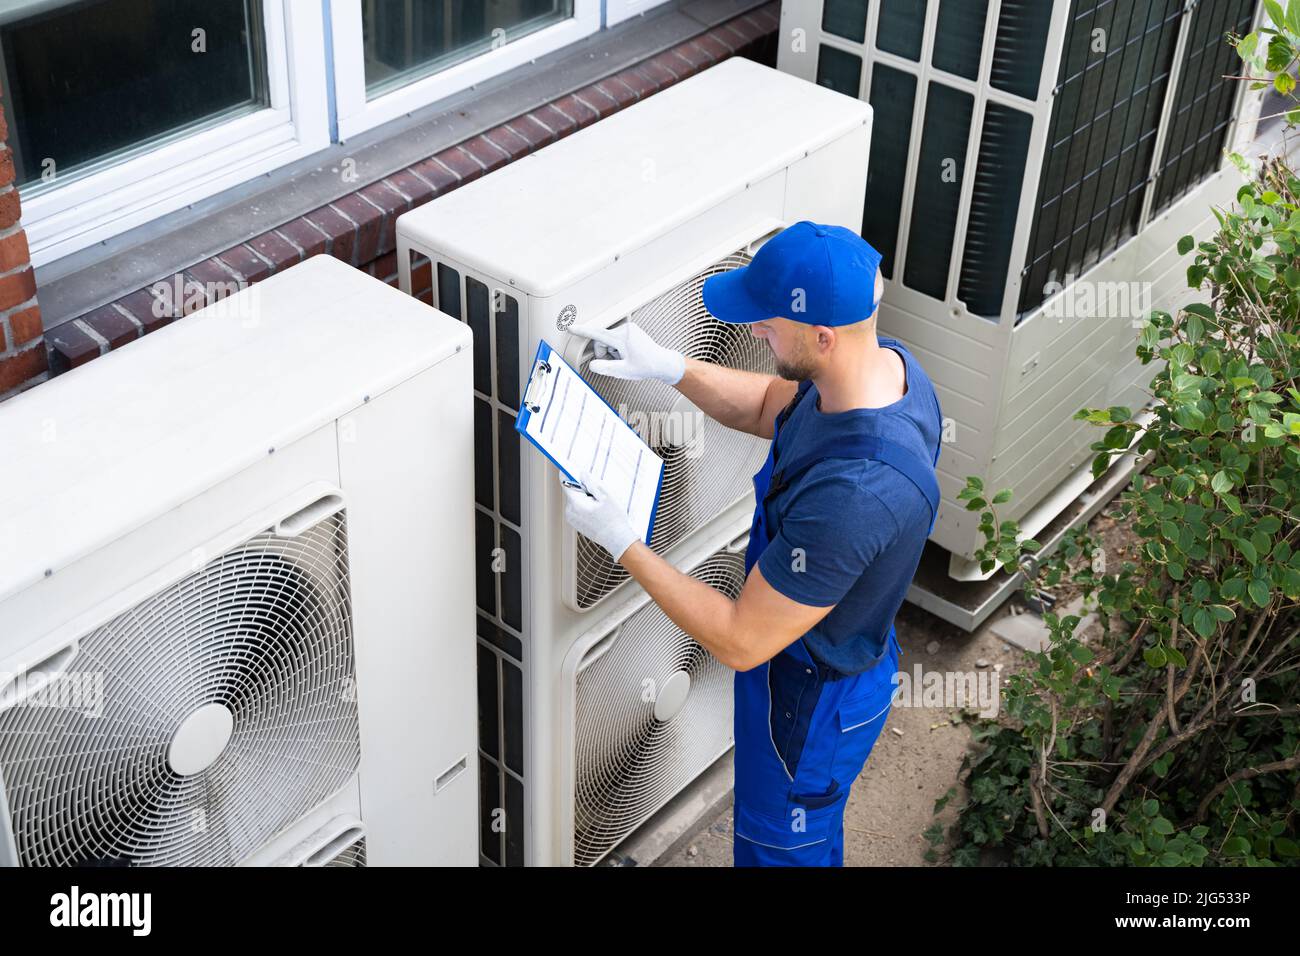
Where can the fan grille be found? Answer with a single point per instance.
(264, 631)
(707, 466)
(629, 762)
(353, 855)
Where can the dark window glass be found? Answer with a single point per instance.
(938, 189)
(959, 36)
(405, 41)
(995, 201)
(838, 70)
(901, 27)
(507, 338)
(1019, 47)
(448, 290)
(1101, 137)
(476, 307)
(893, 96)
(846, 18)
(90, 83)
(1204, 101)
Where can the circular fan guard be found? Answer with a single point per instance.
(628, 763)
(264, 630)
(714, 468)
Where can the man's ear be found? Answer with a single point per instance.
(880, 286)
(826, 337)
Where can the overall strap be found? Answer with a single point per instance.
(872, 448)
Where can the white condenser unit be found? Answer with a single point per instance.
(235, 623)
(1021, 146)
(621, 221)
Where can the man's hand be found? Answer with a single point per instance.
(628, 352)
(599, 517)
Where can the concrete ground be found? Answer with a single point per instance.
(914, 762)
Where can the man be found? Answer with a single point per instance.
(844, 505)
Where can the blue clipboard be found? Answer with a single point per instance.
(542, 400)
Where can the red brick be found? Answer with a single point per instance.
(637, 82)
(21, 367)
(4, 128)
(384, 266)
(386, 198)
(620, 93)
(245, 264)
(4, 340)
(14, 252)
(70, 347)
(555, 121)
(693, 55)
(508, 140)
(342, 233)
(141, 305)
(487, 153)
(436, 174)
(16, 289)
(658, 73)
(112, 325)
(7, 172)
(765, 17)
(713, 46)
(10, 207)
(460, 162)
(746, 31)
(305, 236)
(25, 325)
(210, 272)
(194, 294)
(417, 191)
(274, 247)
(527, 128)
(369, 221)
(598, 100)
(421, 277)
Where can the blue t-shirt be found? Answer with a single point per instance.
(851, 531)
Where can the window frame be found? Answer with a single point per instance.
(180, 172)
(356, 114)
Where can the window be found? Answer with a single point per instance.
(121, 111)
(394, 56)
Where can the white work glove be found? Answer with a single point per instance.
(628, 352)
(598, 516)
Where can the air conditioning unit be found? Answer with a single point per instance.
(1033, 166)
(234, 614)
(620, 221)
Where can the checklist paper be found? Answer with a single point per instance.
(568, 421)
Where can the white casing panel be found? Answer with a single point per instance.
(604, 221)
(123, 476)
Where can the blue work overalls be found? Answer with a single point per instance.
(803, 730)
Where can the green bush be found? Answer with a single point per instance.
(1174, 738)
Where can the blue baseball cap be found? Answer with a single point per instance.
(808, 272)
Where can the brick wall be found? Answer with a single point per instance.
(22, 348)
(360, 229)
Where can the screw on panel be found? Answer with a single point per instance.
(271, 450)
(49, 572)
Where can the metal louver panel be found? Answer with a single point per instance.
(959, 36)
(936, 205)
(707, 466)
(1203, 108)
(1101, 138)
(893, 97)
(228, 711)
(1019, 47)
(632, 755)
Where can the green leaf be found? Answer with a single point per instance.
(1220, 482)
(1002, 497)
(1258, 591)
(1186, 245)
(1155, 657)
(1236, 846)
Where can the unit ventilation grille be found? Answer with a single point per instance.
(633, 754)
(353, 855)
(253, 651)
(707, 466)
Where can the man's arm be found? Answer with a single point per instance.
(746, 401)
(742, 633)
